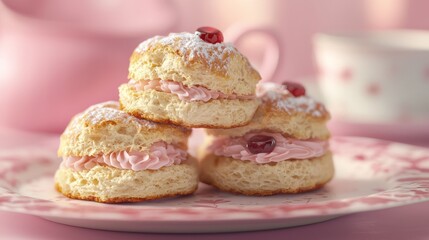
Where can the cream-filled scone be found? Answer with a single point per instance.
(192, 80)
(284, 149)
(110, 156)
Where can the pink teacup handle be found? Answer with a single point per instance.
(273, 47)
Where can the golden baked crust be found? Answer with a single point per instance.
(245, 177)
(185, 58)
(103, 128)
(112, 185)
(168, 108)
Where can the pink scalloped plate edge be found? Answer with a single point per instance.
(387, 174)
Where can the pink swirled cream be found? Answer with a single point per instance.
(186, 93)
(159, 155)
(282, 148)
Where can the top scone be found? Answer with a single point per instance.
(103, 129)
(299, 117)
(182, 79)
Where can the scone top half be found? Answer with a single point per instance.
(105, 135)
(184, 80)
(285, 127)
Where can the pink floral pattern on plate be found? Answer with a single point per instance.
(370, 174)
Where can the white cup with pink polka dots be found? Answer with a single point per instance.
(375, 77)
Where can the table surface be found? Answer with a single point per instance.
(406, 222)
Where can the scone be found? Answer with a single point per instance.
(192, 80)
(110, 156)
(283, 150)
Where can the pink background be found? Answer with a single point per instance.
(58, 58)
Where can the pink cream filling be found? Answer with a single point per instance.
(194, 93)
(286, 148)
(160, 155)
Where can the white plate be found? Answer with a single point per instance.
(370, 174)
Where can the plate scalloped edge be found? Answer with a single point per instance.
(404, 168)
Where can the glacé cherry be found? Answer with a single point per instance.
(261, 144)
(295, 89)
(210, 34)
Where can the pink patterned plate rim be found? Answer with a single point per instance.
(370, 174)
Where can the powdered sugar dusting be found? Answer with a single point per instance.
(105, 112)
(284, 100)
(192, 47)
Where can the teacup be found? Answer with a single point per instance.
(375, 77)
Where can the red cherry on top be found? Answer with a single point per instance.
(210, 34)
(295, 89)
(261, 144)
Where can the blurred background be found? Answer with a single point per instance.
(58, 57)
